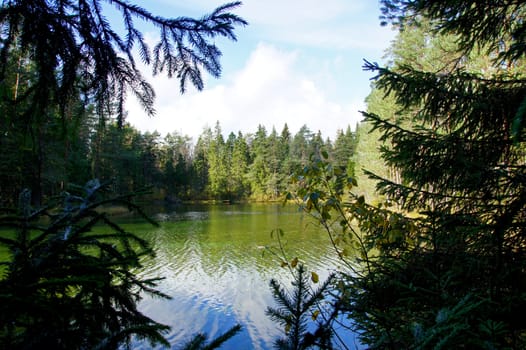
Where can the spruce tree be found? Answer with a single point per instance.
(66, 40)
(297, 308)
(259, 168)
(218, 167)
(65, 286)
(453, 276)
(240, 162)
(61, 58)
(439, 264)
(201, 163)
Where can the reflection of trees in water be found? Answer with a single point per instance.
(216, 270)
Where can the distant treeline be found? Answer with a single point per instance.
(252, 166)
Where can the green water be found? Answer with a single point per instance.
(217, 267)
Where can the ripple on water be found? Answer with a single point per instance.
(181, 216)
(215, 271)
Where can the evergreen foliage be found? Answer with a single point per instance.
(64, 76)
(344, 148)
(444, 267)
(199, 342)
(65, 286)
(65, 73)
(297, 308)
(367, 157)
(252, 166)
(66, 40)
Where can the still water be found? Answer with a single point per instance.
(217, 263)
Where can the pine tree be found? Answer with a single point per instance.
(57, 56)
(453, 279)
(217, 160)
(66, 287)
(239, 170)
(444, 266)
(297, 308)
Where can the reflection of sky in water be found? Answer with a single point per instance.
(216, 273)
(179, 216)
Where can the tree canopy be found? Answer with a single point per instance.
(461, 162)
(65, 72)
(74, 46)
(440, 263)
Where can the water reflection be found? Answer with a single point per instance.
(215, 270)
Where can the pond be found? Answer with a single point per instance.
(217, 263)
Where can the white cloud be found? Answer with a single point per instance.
(338, 24)
(314, 79)
(269, 90)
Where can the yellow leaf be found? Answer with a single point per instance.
(284, 264)
(315, 315)
(287, 328)
(314, 277)
(294, 262)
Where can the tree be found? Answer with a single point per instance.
(64, 286)
(300, 147)
(274, 162)
(444, 267)
(218, 166)
(259, 168)
(200, 163)
(176, 161)
(67, 287)
(285, 139)
(239, 168)
(73, 53)
(38, 148)
(299, 307)
(126, 157)
(148, 145)
(66, 40)
(462, 167)
(367, 157)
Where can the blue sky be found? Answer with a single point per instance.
(297, 62)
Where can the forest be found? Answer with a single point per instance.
(255, 166)
(434, 259)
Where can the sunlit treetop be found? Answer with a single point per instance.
(73, 45)
(501, 23)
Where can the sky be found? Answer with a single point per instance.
(298, 62)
